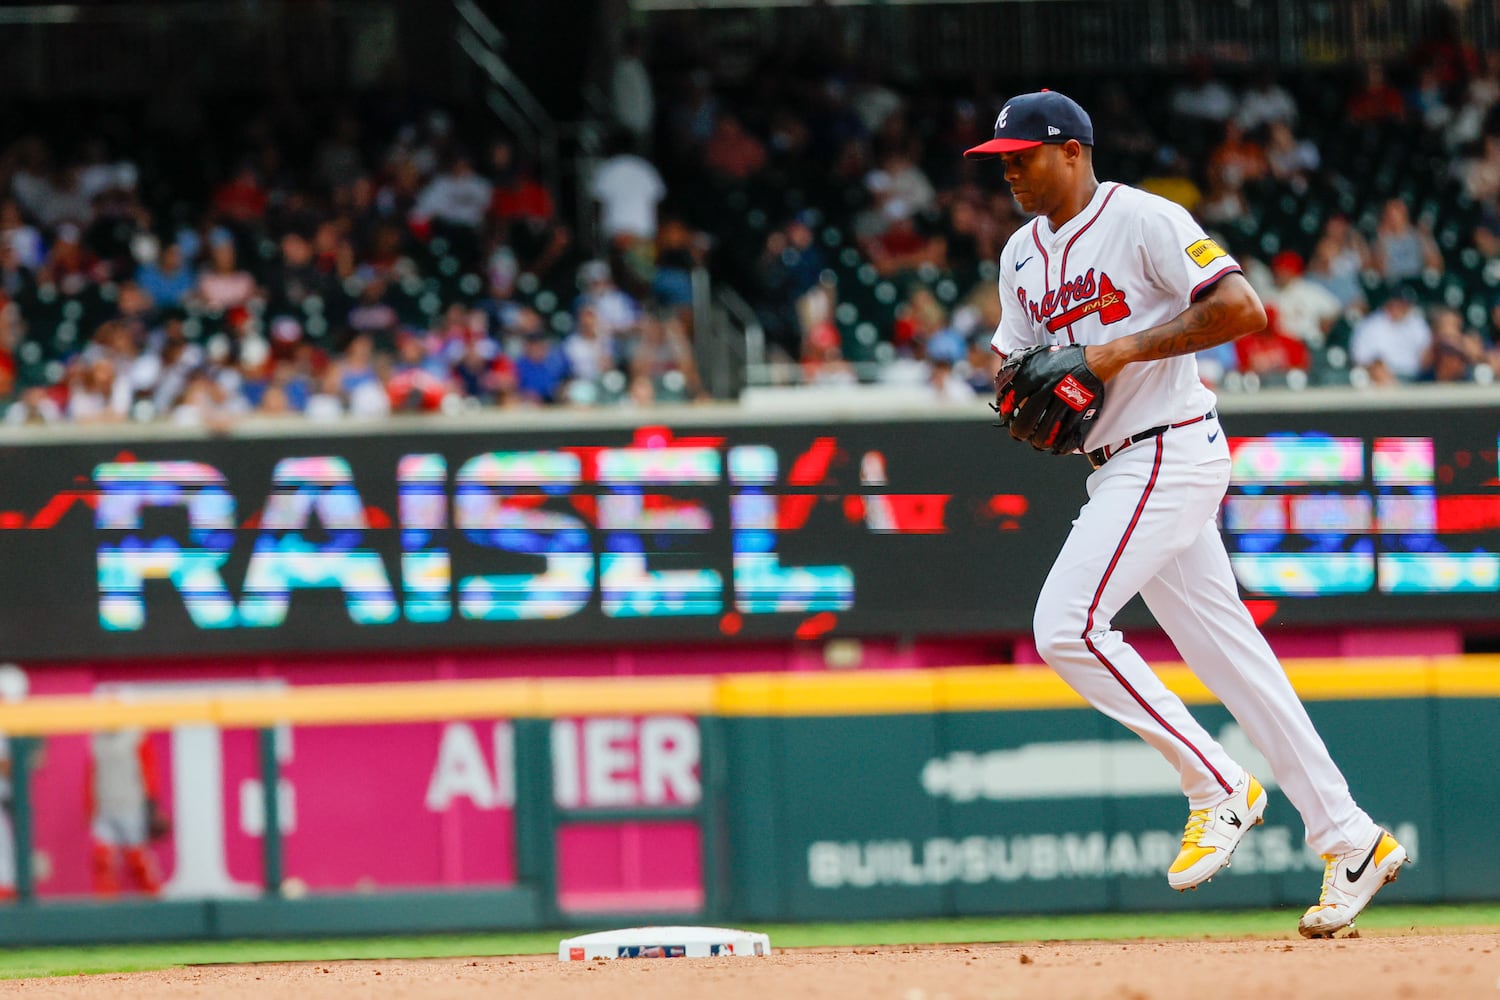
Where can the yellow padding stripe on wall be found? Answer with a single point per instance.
(975, 689)
(953, 689)
(887, 692)
(354, 704)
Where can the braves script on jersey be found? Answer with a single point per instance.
(1129, 261)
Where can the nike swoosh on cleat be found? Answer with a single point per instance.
(1355, 873)
(1024, 262)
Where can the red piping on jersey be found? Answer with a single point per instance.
(1062, 267)
(1094, 606)
(1231, 269)
(1046, 265)
(1046, 271)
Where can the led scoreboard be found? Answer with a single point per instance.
(1310, 514)
(409, 539)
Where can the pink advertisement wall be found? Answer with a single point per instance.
(373, 807)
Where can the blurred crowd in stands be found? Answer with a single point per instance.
(425, 268)
(1368, 257)
(397, 273)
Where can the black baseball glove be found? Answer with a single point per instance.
(1048, 397)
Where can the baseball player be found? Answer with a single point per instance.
(14, 685)
(1125, 286)
(124, 787)
(7, 831)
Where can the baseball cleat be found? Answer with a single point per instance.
(1212, 834)
(1350, 881)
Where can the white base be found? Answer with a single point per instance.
(664, 942)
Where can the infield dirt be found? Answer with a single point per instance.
(1410, 966)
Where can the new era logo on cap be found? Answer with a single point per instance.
(1029, 120)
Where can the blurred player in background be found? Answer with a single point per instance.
(13, 687)
(125, 816)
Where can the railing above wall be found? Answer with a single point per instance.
(951, 38)
(135, 49)
(506, 95)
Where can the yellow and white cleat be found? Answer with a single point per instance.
(1211, 835)
(1350, 881)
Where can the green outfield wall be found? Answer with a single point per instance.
(866, 795)
(962, 813)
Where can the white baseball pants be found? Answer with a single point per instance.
(1149, 527)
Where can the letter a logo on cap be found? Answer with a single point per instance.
(1029, 120)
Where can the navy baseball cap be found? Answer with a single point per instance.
(1029, 120)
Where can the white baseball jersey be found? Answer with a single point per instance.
(1129, 261)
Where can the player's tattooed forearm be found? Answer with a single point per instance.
(1202, 325)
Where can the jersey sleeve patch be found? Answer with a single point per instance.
(1205, 252)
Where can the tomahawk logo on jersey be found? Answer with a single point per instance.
(1129, 261)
